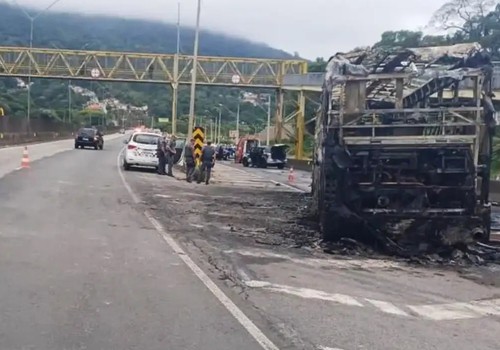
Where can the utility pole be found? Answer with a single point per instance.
(175, 84)
(178, 28)
(218, 128)
(194, 70)
(211, 129)
(70, 105)
(268, 119)
(238, 121)
(32, 22)
(28, 117)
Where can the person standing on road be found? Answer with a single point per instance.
(161, 152)
(189, 159)
(171, 151)
(207, 161)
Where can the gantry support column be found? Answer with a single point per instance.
(280, 97)
(175, 93)
(300, 126)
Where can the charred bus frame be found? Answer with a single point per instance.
(398, 166)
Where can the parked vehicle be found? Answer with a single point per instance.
(243, 147)
(89, 137)
(268, 156)
(141, 150)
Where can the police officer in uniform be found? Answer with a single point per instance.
(161, 153)
(171, 151)
(189, 160)
(207, 161)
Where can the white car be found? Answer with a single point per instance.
(141, 150)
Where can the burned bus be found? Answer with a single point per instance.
(404, 144)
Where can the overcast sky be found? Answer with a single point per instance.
(310, 27)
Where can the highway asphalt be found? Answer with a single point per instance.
(82, 268)
(92, 257)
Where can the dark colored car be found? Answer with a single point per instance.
(265, 156)
(89, 137)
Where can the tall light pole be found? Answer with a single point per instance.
(218, 127)
(178, 51)
(70, 105)
(194, 70)
(175, 84)
(237, 117)
(211, 129)
(32, 20)
(268, 119)
(238, 121)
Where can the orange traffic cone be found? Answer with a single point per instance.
(291, 175)
(25, 162)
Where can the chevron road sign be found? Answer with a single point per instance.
(199, 141)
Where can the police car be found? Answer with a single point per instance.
(141, 150)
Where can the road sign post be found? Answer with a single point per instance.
(199, 141)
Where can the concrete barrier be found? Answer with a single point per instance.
(300, 164)
(18, 138)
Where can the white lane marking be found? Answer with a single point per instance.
(125, 183)
(387, 307)
(305, 293)
(243, 275)
(486, 307)
(250, 327)
(435, 312)
(456, 311)
(444, 312)
(328, 348)
(162, 196)
(368, 264)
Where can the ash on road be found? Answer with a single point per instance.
(244, 228)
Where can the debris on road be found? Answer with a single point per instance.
(226, 216)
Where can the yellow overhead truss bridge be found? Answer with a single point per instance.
(163, 69)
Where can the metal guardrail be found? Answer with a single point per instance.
(300, 164)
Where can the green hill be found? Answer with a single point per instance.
(73, 31)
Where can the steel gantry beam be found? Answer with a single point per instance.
(171, 69)
(146, 67)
